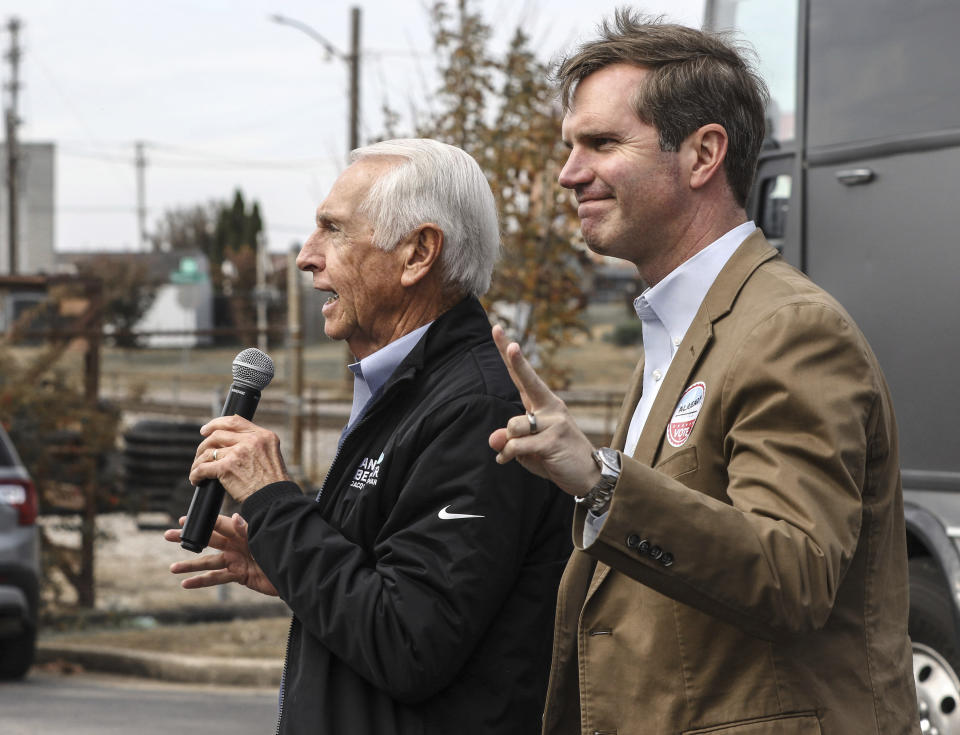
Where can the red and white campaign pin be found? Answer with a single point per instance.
(685, 415)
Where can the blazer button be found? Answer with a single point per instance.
(643, 547)
(655, 552)
(633, 541)
(666, 559)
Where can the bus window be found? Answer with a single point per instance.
(774, 208)
(770, 27)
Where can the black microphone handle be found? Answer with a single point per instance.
(241, 400)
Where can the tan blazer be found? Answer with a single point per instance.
(754, 581)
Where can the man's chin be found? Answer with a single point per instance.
(595, 242)
(606, 241)
(330, 329)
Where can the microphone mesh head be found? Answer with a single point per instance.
(253, 368)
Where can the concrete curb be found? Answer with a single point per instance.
(165, 666)
(211, 613)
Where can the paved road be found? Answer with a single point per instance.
(86, 704)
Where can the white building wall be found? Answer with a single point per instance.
(179, 306)
(35, 223)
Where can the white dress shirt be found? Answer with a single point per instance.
(666, 311)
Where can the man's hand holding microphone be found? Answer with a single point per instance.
(238, 457)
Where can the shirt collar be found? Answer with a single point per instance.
(375, 369)
(676, 299)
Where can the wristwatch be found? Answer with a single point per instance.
(598, 499)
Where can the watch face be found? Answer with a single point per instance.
(610, 458)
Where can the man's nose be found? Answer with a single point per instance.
(574, 171)
(310, 258)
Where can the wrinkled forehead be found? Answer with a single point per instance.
(352, 186)
(364, 172)
(604, 99)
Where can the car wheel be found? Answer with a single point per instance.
(936, 653)
(16, 654)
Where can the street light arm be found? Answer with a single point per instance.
(328, 47)
(352, 60)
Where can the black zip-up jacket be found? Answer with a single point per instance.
(423, 580)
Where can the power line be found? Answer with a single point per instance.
(176, 157)
(237, 164)
(88, 208)
(384, 53)
(106, 157)
(173, 149)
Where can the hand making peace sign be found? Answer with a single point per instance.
(545, 440)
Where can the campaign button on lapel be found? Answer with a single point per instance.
(685, 415)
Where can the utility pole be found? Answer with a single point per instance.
(13, 148)
(352, 60)
(295, 360)
(140, 161)
(260, 291)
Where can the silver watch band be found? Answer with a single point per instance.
(597, 500)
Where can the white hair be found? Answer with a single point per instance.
(444, 185)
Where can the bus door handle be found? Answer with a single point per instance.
(854, 176)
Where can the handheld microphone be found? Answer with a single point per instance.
(252, 372)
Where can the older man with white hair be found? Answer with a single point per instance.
(423, 577)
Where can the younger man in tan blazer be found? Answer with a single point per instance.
(741, 561)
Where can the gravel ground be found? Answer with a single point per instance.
(132, 569)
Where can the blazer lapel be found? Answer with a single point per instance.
(629, 405)
(697, 338)
(716, 304)
(719, 300)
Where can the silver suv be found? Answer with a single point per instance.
(19, 563)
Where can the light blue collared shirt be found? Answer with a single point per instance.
(667, 311)
(372, 372)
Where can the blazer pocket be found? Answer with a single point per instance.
(796, 723)
(679, 464)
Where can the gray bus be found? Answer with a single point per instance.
(859, 186)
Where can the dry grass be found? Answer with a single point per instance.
(593, 361)
(261, 638)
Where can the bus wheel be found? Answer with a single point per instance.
(935, 649)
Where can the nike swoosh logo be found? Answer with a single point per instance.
(445, 514)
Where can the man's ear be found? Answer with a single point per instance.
(707, 148)
(422, 250)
